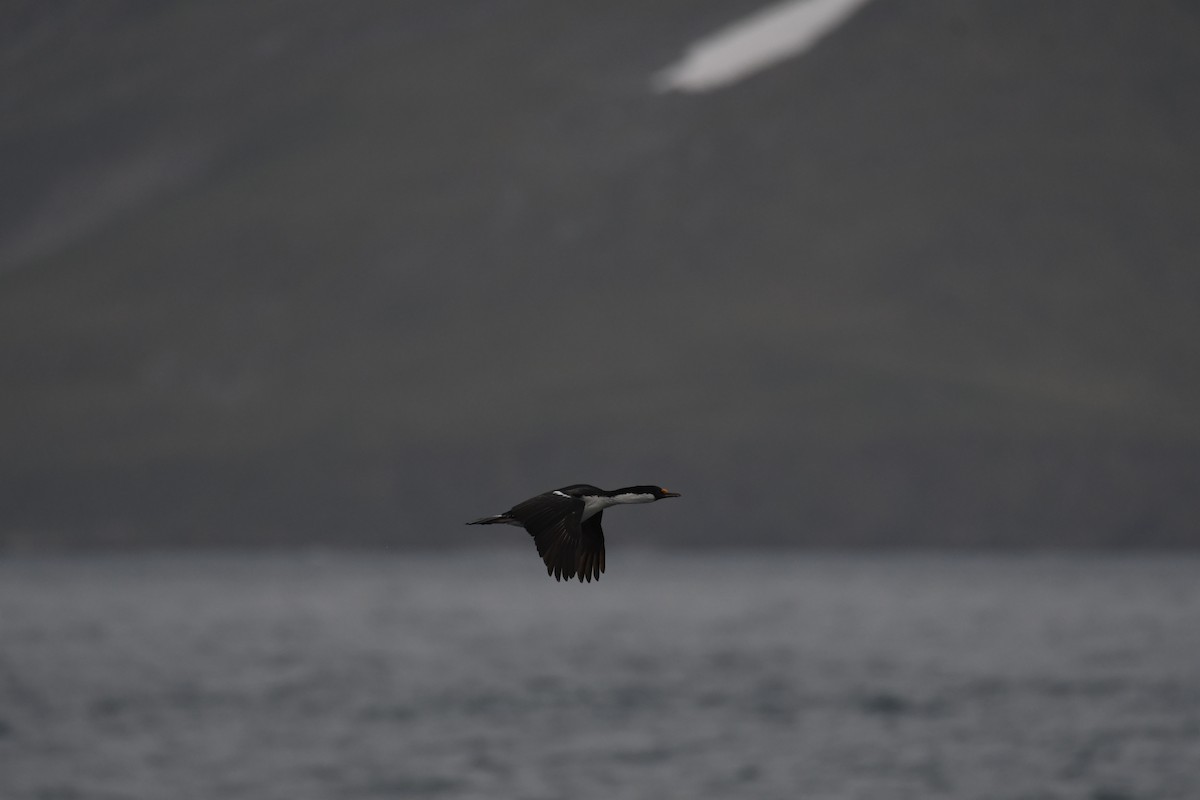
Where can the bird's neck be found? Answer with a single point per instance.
(630, 495)
(595, 503)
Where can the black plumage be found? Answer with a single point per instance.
(565, 525)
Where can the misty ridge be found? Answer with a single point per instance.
(354, 275)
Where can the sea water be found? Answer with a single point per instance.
(721, 674)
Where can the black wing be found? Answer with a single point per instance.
(568, 546)
(591, 548)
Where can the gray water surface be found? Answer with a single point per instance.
(715, 675)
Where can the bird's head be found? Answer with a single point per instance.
(655, 492)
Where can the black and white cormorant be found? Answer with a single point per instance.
(565, 525)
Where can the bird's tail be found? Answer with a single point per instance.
(493, 519)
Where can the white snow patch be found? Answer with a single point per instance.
(765, 38)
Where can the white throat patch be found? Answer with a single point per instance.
(593, 504)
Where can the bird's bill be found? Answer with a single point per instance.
(667, 494)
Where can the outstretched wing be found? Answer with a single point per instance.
(568, 546)
(591, 548)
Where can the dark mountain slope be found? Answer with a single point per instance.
(296, 272)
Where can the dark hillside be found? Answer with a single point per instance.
(355, 273)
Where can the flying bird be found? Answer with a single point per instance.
(565, 525)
